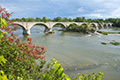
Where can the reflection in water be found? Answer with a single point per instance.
(24, 38)
(79, 53)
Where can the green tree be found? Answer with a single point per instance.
(57, 19)
(70, 20)
(37, 19)
(23, 19)
(30, 19)
(13, 19)
(64, 20)
(44, 19)
(83, 19)
(17, 19)
(78, 19)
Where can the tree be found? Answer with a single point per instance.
(83, 19)
(17, 19)
(23, 19)
(30, 19)
(44, 19)
(57, 19)
(37, 19)
(64, 20)
(117, 23)
(13, 19)
(70, 20)
(78, 19)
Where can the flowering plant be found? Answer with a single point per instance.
(20, 56)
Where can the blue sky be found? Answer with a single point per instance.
(63, 8)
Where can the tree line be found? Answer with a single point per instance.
(115, 21)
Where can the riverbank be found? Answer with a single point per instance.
(108, 33)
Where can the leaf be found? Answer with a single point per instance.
(3, 22)
(2, 60)
(2, 76)
(56, 67)
(60, 72)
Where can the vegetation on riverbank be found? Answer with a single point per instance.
(113, 43)
(106, 33)
(18, 60)
(82, 29)
(103, 32)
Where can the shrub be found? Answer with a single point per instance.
(20, 56)
(115, 43)
(103, 32)
(103, 43)
(82, 28)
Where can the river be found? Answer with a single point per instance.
(79, 53)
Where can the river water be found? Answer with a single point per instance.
(79, 53)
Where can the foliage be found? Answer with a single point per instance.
(103, 32)
(54, 71)
(44, 19)
(2, 60)
(83, 28)
(94, 76)
(57, 19)
(103, 43)
(19, 57)
(115, 43)
(2, 76)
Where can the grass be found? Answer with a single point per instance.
(103, 43)
(113, 43)
(103, 32)
(106, 33)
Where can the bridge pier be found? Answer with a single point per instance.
(26, 32)
(48, 30)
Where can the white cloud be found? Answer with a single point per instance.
(113, 14)
(94, 15)
(99, 10)
(81, 9)
(68, 8)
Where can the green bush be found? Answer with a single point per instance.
(103, 43)
(115, 43)
(103, 32)
(83, 28)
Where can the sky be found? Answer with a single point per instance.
(94, 9)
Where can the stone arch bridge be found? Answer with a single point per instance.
(26, 26)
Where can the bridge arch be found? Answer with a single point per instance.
(39, 23)
(47, 29)
(23, 28)
(109, 25)
(21, 25)
(93, 25)
(58, 23)
(100, 26)
(83, 24)
(73, 23)
(105, 26)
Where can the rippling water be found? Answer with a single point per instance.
(79, 53)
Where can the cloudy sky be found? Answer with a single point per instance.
(63, 8)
